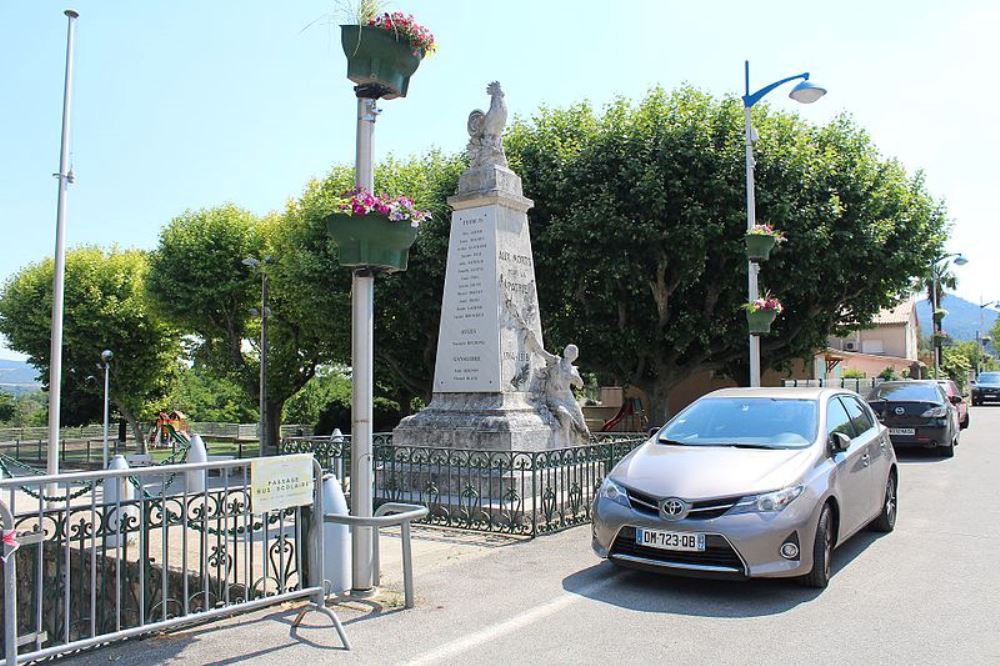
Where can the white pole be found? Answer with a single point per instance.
(362, 333)
(752, 267)
(65, 178)
(935, 322)
(107, 372)
(262, 443)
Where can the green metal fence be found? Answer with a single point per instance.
(514, 492)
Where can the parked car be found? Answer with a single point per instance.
(917, 413)
(759, 482)
(955, 396)
(987, 388)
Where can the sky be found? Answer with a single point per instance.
(188, 104)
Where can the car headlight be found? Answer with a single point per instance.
(772, 502)
(935, 412)
(614, 492)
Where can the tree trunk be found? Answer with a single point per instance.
(140, 436)
(274, 410)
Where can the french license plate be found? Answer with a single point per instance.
(670, 540)
(903, 431)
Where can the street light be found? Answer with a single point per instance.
(264, 313)
(806, 92)
(937, 267)
(106, 357)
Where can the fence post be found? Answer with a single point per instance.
(39, 450)
(534, 494)
(10, 592)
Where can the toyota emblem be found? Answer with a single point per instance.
(900, 411)
(673, 508)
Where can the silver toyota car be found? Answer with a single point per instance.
(761, 482)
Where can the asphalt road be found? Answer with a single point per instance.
(929, 593)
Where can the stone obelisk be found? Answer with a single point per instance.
(491, 370)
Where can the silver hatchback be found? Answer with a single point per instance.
(761, 482)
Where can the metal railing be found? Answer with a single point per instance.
(861, 385)
(205, 428)
(144, 550)
(515, 492)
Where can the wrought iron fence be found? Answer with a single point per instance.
(514, 492)
(117, 553)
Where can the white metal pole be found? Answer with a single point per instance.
(362, 334)
(935, 322)
(752, 267)
(107, 384)
(262, 443)
(65, 178)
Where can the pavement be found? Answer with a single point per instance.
(928, 593)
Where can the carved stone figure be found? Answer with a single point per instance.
(552, 386)
(486, 131)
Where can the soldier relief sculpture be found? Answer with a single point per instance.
(551, 386)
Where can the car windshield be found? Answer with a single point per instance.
(911, 392)
(989, 378)
(773, 423)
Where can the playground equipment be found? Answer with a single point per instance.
(169, 427)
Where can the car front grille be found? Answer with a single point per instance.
(717, 553)
(703, 510)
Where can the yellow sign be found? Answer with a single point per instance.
(281, 482)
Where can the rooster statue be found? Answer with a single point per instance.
(486, 131)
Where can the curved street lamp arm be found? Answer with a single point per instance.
(749, 100)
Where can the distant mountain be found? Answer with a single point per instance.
(962, 320)
(18, 377)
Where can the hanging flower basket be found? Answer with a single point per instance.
(375, 231)
(761, 313)
(761, 239)
(385, 53)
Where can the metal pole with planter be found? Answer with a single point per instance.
(805, 92)
(380, 61)
(106, 357)
(65, 177)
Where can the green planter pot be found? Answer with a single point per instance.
(760, 321)
(371, 240)
(376, 58)
(759, 246)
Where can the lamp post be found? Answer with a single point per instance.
(806, 92)
(106, 357)
(65, 177)
(937, 267)
(264, 313)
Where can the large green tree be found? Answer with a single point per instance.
(105, 307)
(639, 221)
(200, 280)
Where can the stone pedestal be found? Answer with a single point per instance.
(484, 369)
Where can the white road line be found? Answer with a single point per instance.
(494, 631)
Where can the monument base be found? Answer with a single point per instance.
(479, 421)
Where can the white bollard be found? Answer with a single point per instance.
(117, 491)
(336, 538)
(196, 480)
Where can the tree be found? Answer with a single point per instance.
(105, 307)
(200, 281)
(8, 407)
(204, 397)
(639, 221)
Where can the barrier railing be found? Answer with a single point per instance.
(514, 492)
(144, 550)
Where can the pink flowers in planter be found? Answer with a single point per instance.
(404, 27)
(766, 303)
(360, 202)
(767, 230)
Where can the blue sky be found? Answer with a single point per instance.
(186, 104)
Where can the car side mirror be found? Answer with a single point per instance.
(956, 399)
(839, 442)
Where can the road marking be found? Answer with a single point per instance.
(526, 618)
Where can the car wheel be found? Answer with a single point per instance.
(948, 451)
(886, 520)
(819, 577)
